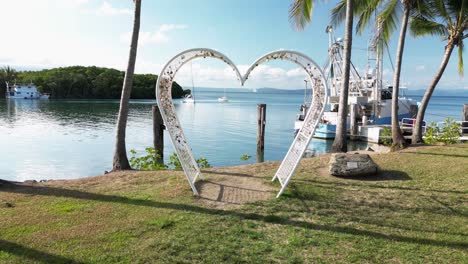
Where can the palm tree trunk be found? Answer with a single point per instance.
(417, 130)
(397, 137)
(340, 144)
(120, 160)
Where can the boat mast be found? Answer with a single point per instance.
(193, 85)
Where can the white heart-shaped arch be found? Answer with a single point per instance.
(303, 137)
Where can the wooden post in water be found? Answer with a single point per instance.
(261, 118)
(158, 133)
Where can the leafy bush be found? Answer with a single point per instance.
(448, 134)
(386, 136)
(432, 132)
(245, 157)
(174, 161)
(450, 131)
(152, 161)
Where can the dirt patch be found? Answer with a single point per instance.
(224, 190)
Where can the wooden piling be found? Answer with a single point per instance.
(158, 133)
(261, 118)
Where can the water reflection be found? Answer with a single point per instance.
(71, 139)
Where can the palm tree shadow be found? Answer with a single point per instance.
(78, 194)
(33, 254)
(384, 175)
(440, 154)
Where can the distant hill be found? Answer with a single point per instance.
(410, 92)
(249, 90)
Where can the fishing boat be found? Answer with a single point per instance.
(24, 91)
(370, 102)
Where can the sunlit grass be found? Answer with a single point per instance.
(415, 210)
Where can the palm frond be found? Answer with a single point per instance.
(300, 13)
(366, 9)
(420, 26)
(387, 19)
(441, 10)
(338, 13)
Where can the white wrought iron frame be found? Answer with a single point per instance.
(300, 143)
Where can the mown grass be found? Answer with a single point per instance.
(414, 211)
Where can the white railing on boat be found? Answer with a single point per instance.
(410, 122)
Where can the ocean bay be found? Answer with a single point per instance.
(64, 139)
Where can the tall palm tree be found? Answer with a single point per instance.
(388, 13)
(120, 160)
(8, 74)
(449, 20)
(397, 136)
(300, 14)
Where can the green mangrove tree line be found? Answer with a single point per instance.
(79, 82)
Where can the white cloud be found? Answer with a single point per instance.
(106, 9)
(420, 68)
(79, 2)
(157, 37)
(261, 76)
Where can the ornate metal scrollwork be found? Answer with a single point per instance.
(300, 143)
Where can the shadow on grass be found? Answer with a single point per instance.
(386, 175)
(200, 184)
(33, 254)
(230, 174)
(59, 192)
(438, 154)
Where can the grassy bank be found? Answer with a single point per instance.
(415, 210)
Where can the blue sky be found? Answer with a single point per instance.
(56, 33)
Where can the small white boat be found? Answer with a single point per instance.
(188, 99)
(20, 91)
(223, 99)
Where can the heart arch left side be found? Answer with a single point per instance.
(168, 113)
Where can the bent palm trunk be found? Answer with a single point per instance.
(120, 160)
(340, 144)
(417, 130)
(397, 137)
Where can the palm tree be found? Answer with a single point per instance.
(120, 160)
(397, 136)
(449, 20)
(7, 74)
(388, 13)
(300, 14)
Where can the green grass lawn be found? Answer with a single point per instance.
(414, 211)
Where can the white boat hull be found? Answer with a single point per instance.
(223, 99)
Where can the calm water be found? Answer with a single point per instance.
(73, 139)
